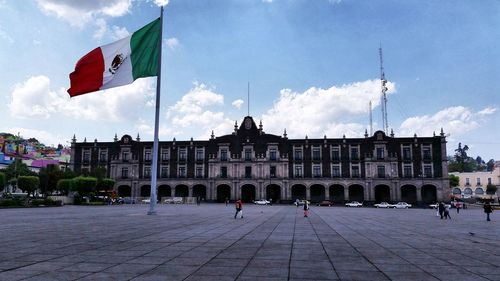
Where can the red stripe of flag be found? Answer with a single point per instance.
(88, 74)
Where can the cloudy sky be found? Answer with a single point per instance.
(313, 66)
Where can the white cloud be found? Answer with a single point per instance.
(118, 32)
(102, 28)
(456, 121)
(114, 33)
(44, 137)
(78, 13)
(172, 43)
(161, 2)
(318, 111)
(4, 36)
(237, 103)
(267, 1)
(35, 99)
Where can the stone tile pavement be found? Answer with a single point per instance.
(189, 242)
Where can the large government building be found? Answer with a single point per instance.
(251, 164)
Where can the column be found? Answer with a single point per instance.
(346, 194)
(190, 191)
(327, 193)
(308, 193)
(419, 194)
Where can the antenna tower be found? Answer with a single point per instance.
(383, 97)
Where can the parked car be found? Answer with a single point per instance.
(126, 200)
(435, 205)
(383, 205)
(261, 202)
(300, 202)
(327, 203)
(354, 204)
(173, 200)
(401, 205)
(146, 201)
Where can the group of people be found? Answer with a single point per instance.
(443, 210)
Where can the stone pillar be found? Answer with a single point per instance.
(327, 193)
(346, 194)
(371, 191)
(308, 193)
(190, 191)
(419, 194)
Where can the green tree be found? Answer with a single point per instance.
(84, 185)
(28, 184)
(461, 156)
(64, 186)
(454, 180)
(3, 181)
(16, 169)
(106, 184)
(490, 165)
(491, 189)
(49, 176)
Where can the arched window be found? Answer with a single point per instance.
(479, 191)
(457, 190)
(468, 191)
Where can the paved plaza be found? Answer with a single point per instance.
(189, 242)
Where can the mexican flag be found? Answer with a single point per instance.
(118, 63)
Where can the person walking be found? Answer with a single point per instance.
(447, 212)
(457, 205)
(488, 210)
(239, 208)
(306, 209)
(441, 209)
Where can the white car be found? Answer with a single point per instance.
(173, 200)
(401, 205)
(383, 205)
(146, 200)
(261, 202)
(354, 204)
(435, 205)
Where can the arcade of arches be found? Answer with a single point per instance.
(337, 193)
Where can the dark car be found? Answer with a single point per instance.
(327, 203)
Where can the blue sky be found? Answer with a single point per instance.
(313, 67)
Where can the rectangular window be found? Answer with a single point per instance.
(428, 171)
(381, 171)
(316, 171)
(335, 153)
(124, 173)
(182, 154)
(248, 172)
(147, 172)
(336, 171)
(164, 171)
(182, 171)
(297, 154)
(248, 154)
(316, 154)
(426, 153)
(407, 171)
(467, 181)
(223, 155)
(489, 181)
(380, 153)
(478, 181)
(199, 155)
(147, 154)
(298, 171)
(272, 171)
(223, 172)
(272, 155)
(125, 156)
(355, 171)
(406, 153)
(165, 155)
(199, 171)
(86, 156)
(354, 153)
(103, 155)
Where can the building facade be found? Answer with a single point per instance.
(251, 164)
(473, 184)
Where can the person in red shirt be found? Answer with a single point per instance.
(239, 208)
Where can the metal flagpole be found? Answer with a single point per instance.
(154, 168)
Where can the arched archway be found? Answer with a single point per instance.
(200, 190)
(429, 194)
(468, 192)
(124, 191)
(409, 194)
(223, 193)
(164, 191)
(273, 191)
(337, 193)
(181, 191)
(317, 193)
(146, 190)
(457, 191)
(356, 193)
(248, 193)
(382, 193)
(298, 192)
(479, 191)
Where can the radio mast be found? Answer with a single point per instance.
(383, 97)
